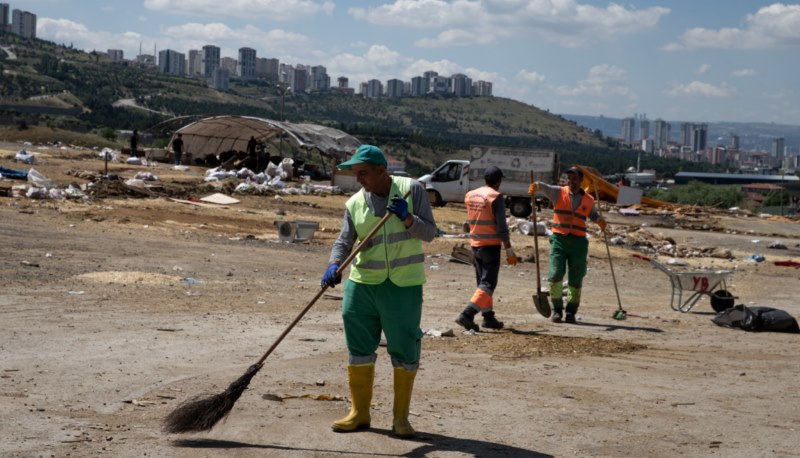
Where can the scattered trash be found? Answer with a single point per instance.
(25, 157)
(109, 154)
(39, 180)
(36, 193)
(75, 293)
(776, 245)
(221, 199)
(145, 176)
(526, 227)
(438, 333)
(756, 258)
(296, 231)
(136, 183)
(13, 174)
(192, 281)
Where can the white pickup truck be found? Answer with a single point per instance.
(453, 179)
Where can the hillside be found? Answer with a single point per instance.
(47, 80)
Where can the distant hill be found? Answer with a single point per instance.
(421, 131)
(752, 136)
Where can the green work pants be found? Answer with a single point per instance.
(568, 256)
(369, 309)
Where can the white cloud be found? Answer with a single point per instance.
(603, 81)
(774, 26)
(181, 38)
(780, 94)
(279, 10)
(383, 63)
(529, 77)
(743, 72)
(563, 22)
(699, 89)
(64, 31)
(455, 37)
(703, 68)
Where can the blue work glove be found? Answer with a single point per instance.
(399, 207)
(330, 278)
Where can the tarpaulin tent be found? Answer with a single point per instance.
(216, 134)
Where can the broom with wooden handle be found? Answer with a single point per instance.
(620, 314)
(203, 412)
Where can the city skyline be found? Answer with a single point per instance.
(696, 61)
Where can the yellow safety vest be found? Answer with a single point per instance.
(392, 252)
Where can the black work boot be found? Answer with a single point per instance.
(558, 310)
(489, 321)
(465, 319)
(572, 309)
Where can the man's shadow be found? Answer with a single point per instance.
(428, 443)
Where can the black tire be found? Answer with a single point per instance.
(520, 208)
(435, 198)
(721, 300)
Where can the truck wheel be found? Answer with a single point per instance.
(520, 208)
(435, 198)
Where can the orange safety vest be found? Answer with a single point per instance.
(567, 221)
(481, 220)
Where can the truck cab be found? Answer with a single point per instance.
(448, 183)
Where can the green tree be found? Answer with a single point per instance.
(109, 133)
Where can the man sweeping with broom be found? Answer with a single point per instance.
(384, 291)
(569, 248)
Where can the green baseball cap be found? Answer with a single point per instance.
(365, 153)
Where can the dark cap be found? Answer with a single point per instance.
(493, 173)
(574, 169)
(365, 154)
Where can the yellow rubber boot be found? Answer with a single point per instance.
(361, 378)
(403, 386)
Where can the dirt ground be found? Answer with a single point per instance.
(102, 335)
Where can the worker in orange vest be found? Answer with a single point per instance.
(486, 216)
(569, 247)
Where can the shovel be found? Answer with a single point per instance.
(619, 314)
(540, 300)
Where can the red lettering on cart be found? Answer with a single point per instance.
(703, 281)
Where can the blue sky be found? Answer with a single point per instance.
(678, 60)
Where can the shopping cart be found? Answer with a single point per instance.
(698, 284)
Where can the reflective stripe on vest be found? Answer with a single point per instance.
(481, 219)
(567, 221)
(392, 252)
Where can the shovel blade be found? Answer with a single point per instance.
(542, 304)
(620, 315)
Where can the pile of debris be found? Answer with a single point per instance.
(645, 241)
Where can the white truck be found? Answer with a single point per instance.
(453, 179)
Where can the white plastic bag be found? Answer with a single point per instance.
(39, 180)
(287, 166)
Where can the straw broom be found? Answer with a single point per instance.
(201, 413)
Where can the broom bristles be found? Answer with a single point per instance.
(203, 412)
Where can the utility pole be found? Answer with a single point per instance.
(283, 104)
